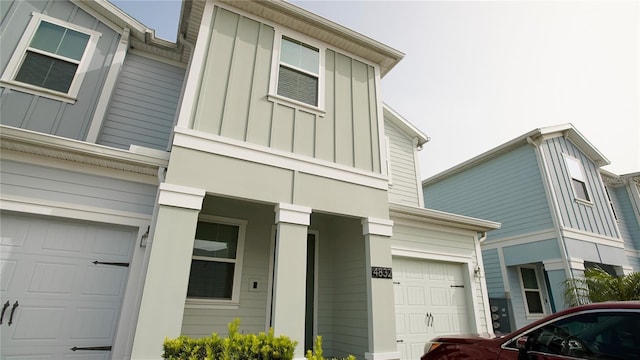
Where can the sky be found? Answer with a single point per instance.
(477, 74)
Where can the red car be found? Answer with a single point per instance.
(602, 331)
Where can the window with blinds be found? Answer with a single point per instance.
(299, 71)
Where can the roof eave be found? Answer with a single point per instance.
(442, 218)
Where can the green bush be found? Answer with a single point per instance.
(236, 346)
(316, 354)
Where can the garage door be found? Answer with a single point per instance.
(430, 300)
(61, 287)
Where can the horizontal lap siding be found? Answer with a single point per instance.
(144, 104)
(29, 181)
(42, 114)
(595, 218)
(493, 273)
(404, 185)
(233, 99)
(506, 189)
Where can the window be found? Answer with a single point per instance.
(216, 263)
(51, 58)
(577, 178)
(297, 77)
(531, 291)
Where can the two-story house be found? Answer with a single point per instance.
(545, 188)
(250, 170)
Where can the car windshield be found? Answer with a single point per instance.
(593, 335)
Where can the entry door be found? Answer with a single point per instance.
(63, 282)
(430, 300)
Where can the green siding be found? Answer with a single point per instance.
(404, 186)
(506, 189)
(233, 99)
(36, 113)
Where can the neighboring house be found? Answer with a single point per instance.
(624, 196)
(545, 188)
(152, 189)
(88, 100)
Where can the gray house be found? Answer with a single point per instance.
(546, 189)
(150, 189)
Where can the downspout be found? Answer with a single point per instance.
(553, 200)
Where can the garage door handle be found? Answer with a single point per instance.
(91, 348)
(111, 263)
(4, 308)
(13, 309)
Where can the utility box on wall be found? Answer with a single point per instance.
(500, 315)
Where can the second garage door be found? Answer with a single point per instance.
(430, 300)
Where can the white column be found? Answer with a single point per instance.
(289, 290)
(165, 288)
(380, 301)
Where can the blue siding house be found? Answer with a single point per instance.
(557, 216)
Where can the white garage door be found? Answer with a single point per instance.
(54, 297)
(430, 300)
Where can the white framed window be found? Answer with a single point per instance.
(578, 180)
(297, 73)
(51, 58)
(531, 291)
(216, 263)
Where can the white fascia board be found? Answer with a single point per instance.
(405, 125)
(440, 217)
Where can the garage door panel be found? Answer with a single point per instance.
(429, 302)
(65, 300)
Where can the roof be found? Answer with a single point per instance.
(405, 125)
(298, 19)
(442, 218)
(140, 36)
(539, 134)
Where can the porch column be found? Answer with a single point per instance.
(290, 278)
(380, 301)
(167, 277)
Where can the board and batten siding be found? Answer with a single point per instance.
(506, 189)
(627, 219)
(493, 273)
(41, 114)
(69, 187)
(595, 217)
(233, 99)
(403, 188)
(143, 105)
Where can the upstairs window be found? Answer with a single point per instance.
(297, 76)
(51, 58)
(577, 178)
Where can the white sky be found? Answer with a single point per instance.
(477, 74)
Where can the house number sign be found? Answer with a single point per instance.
(378, 272)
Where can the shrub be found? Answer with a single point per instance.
(235, 346)
(317, 354)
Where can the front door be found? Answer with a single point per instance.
(63, 281)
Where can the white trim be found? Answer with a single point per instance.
(19, 53)
(180, 196)
(375, 226)
(234, 302)
(554, 264)
(540, 289)
(481, 278)
(108, 88)
(214, 144)
(293, 214)
(382, 356)
(548, 234)
(591, 237)
(193, 77)
(429, 255)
